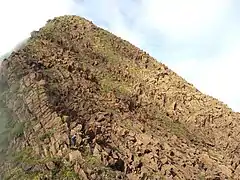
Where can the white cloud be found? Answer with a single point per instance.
(107, 14)
(186, 18)
(19, 18)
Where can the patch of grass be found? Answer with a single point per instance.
(201, 177)
(9, 127)
(18, 173)
(109, 84)
(93, 161)
(67, 173)
(4, 141)
(47, 134)
(153, 175)
(23, 156)
(14, 174)
(27, 157)
(179, 129)
(161, 120)
(106, 85)
(176, 128)
(18, 129)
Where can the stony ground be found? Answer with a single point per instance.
(133, 117)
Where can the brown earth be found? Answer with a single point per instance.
(133, 117)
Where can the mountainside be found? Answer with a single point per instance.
(81, 103)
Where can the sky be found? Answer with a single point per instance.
(197, 39)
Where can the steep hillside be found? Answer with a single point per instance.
(131, 116)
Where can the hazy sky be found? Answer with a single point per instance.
(198, 39)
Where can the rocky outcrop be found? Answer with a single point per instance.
(132, 116)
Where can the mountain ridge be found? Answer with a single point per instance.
(134, 118)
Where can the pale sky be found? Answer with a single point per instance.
(198, 39)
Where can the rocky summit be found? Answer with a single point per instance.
(81, 103)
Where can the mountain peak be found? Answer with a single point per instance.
(82, 103)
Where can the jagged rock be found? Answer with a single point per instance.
(75, 156)
(50, 165)
(34, 34)
(82, 175)
(164, 160)
(93, 176)
(225, 170)
(77, 129)
(65, 119)
(27, 167)
(97, 151)
(37, 168)
(206, 160)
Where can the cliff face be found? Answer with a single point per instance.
(131, 116)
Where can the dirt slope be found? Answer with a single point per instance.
(133, 117)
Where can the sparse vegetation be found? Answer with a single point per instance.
(67, 173)
(47, 134)
(11, 129)
(18, 129)
(131, 115)
(95, 163)
(26, 158)
(120, 88)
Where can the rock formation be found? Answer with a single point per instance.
(132, 117)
